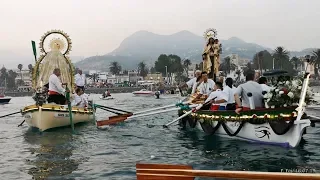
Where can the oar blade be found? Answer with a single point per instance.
(146, 172)
(113, 120)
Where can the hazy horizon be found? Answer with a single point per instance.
(98, 27)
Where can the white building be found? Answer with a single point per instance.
(25, 75)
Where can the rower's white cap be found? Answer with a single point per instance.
(198, 71)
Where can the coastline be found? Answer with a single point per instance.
(88, 91)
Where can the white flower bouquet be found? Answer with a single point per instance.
(286, 93)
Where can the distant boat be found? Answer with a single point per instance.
(4, 99)
(145, 92)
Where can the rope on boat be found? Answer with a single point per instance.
(208, 129)
(235, 133)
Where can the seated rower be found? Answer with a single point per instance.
(56, 91)
(249, 87)
(218, 98)
(78, 99)
(263, 82)
(229, 89)
(196, 85)
(205, 87)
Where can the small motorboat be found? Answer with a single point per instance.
(4, 100)
(143, 92)
(106, 98)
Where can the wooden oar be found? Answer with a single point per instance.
(187, 113)
(10, 114)
(184, 172)
(69, 108)
(110, 111)
(123, 117)
(120, 110)
(163, 107)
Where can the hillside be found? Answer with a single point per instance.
(147, 46)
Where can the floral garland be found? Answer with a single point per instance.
(286, 93)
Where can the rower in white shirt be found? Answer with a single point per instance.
(206, 87)
(229, 89)
(192, 81)
(196, 85)
(80, 79)
(218, 98)
(79, 100)
(56, 91)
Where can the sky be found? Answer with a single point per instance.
(97, 27)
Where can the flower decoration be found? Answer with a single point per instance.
(286, 93)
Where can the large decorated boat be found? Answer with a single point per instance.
(54, 45)
(282, 121)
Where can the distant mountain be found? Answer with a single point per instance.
(11, 59)
(147, 46)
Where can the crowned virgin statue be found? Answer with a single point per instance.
(211, 55)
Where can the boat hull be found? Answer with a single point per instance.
(281, 133)
(4, 100)
(106, 98)
(143, 94)
(52, 116)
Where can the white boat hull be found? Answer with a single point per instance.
(263, 133)
(44, 118)
(280, 133)
(143, 94)
(106, 98)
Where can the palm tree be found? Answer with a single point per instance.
(30, 68)
(295, 61)
(227, 65)
(115, 68)
(20, 66)
(281, 55)
(316, 61)
(142, 69)
(186, 64)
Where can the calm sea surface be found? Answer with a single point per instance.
(113, 153)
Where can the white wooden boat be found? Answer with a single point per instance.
(282, 126)
(50, 116)
(269, 126)
(47, 116)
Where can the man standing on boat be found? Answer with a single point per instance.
(56, 91)
(249, 87)
(192, 81)
(80, 79)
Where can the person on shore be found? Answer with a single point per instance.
(250, 86)
(229, 89)
(205, 87)
(56, 91)
(80, 79)
(218, 98)
(263, 82)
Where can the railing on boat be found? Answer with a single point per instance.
(184, 172)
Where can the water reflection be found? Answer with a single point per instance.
(231, 154)
(51, 154)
